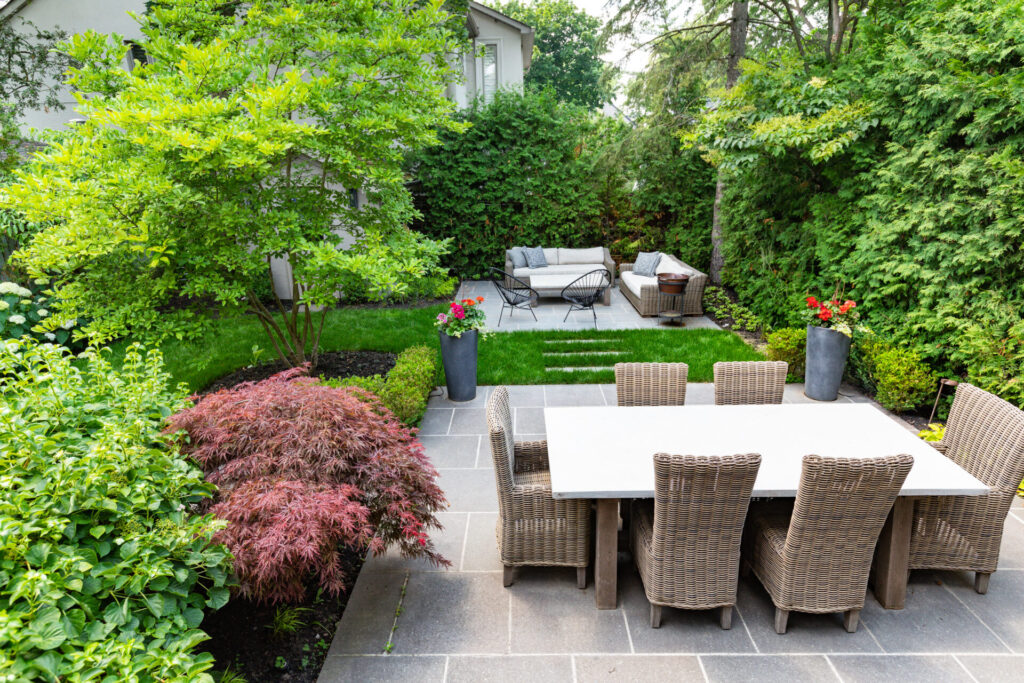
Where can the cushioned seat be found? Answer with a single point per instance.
(561, 269)
(634, 282)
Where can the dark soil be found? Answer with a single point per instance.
(242, 638)
(332, 364)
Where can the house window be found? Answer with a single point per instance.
(136, 53)
(489, 80)
(353, 199)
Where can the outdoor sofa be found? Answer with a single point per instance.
(563, 261)
(642, 291)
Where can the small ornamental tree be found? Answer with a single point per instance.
(236, 143)
(304, 469)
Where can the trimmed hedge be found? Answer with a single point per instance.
(104, 572)
(405, 389)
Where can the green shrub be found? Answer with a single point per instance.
(104, 572)
(789, 344)
(718, 304)
(405, 390)
(897, 376)
(22, 312)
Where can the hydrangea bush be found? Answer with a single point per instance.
(23, 313)
(104, 570)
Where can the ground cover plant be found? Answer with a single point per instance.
(105, 570)
(304, 470)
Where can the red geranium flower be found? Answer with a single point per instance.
(812, 302)
(824, 313)
(479, 299)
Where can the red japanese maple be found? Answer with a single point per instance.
(303, 469)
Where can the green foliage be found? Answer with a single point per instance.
(405, 390)
(896, 173)
(567, 50)
(104, 572)
(523, 174)
(896, 375)
(789, 344)
(234, 145)
(718, 303)
(288, 619)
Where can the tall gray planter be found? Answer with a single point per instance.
(459, 357)
(827, 351)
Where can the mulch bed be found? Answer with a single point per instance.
(242, 639)
(332, 364)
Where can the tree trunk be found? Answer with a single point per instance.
(737, 50)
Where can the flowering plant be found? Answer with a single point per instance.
(833, 314)
(462, 316)
(22, 313)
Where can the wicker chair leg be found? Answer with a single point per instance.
(655, 616)
(725, 618)
(850, 620)
(981, 582)
(581, 577)
(507, 577)
(781, 617)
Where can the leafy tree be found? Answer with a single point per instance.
(567, 50)
(528, 171)
(237, 143)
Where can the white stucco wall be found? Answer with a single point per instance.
(74, 16)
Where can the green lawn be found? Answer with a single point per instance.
(505, 358)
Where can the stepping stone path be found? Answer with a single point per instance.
(552, 357)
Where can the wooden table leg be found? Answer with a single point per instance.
(606, 562)
(892, 556)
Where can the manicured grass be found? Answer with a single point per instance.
(505, 357)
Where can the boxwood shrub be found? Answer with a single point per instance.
(104, 571)
(405, 389)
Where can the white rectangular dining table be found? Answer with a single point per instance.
(606, 453)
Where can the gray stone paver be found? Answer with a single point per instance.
(619, 315)
(460, 624)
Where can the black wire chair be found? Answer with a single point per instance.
(583, 292)
(514, 294)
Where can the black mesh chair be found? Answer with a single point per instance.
(586, 290)
(514, 294)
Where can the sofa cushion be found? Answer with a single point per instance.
(633, 282)
(569, 269)
(535, 257)
(551, 256)
(670, 265)
(646, 263)
(517, 257)
(593, 255)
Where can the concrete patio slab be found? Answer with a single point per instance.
(461, 624)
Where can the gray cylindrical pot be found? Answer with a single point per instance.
(827, 351)
(459, 357)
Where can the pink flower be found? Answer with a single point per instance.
(458, 311)
(442, 317)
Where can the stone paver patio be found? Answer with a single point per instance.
(550, 311)
(409, 621)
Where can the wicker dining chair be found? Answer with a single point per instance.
(985, 436)
(514, 293)
(818, 559)
(533, 528)
(687, 545)
(750, 382)
(651, 384)
(586, 290)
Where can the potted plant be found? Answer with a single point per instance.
(459, 329)
(829, 332)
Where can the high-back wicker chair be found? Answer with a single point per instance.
(586, 290)
(688, 547)
(514, 294)
(651, 384)
(985, 436)
(750, 382)
(818, 560)
(533, 528)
